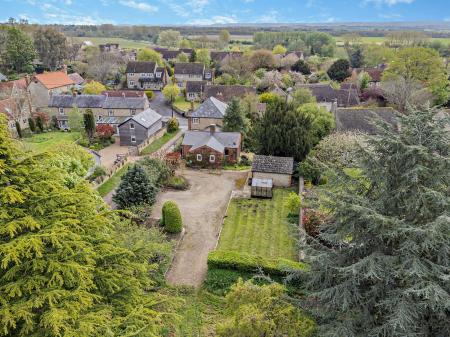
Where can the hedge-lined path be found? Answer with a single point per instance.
(202, 209)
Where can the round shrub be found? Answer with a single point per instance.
(173, 125)
(150, 94)
(171, 217)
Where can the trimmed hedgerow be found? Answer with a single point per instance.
(171, 217)
(223, 259)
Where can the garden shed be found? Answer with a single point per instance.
(278, 169)
(262, 188)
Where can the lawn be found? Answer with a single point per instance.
(124, 43)
(42, 142)
(259, 227)
(184, 105)
(158, 143)
(112, 182)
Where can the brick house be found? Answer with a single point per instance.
(184, 72)
(143, 75)
(210, 148)
(211, 111)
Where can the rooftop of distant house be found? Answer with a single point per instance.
(273, 164)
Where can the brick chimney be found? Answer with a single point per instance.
(212, 129)
(64, 69)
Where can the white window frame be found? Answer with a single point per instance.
(208, 75)
(99, 118)
(199, 157)
(133, 112)
(110, 113)
(131, 126)
(195, 120)
(131, 74)
(61, 111)
(158, 74)
(131, 83)
(212, 158)
(133, 139)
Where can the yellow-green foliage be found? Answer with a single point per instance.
(171, 217)
(262, 311)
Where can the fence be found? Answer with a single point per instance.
(150, 140)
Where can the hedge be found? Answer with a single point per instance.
(171, 217)
(227, 259)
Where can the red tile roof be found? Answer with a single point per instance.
(54, 79)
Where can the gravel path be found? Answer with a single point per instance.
(202, 208)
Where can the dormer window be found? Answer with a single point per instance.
(132, 126)
(158, 74)
(207, 75)
(61, 111)
(133, 112)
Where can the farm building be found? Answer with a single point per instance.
(278, 169)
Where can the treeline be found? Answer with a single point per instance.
(314, 42)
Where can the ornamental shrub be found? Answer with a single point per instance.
(173, 125)
(171, 217)
(293, 203)
(150, 94)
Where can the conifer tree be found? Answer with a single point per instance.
(89, 123)
(64, 268)
(136, 188)
(234, 119)
(385, 268)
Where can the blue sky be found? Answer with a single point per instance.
(159, 12)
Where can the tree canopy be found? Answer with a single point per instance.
(339, 70)
(381, 261)
(147, 54)
(93, 88)
(234, 119)
(51, 47)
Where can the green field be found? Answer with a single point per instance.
(382, 39)
(45, 141)
(124, 43)
(259, 227)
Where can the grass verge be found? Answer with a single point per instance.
(158, 143)
(112, 182)
(42, 142)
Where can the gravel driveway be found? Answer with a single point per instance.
(202, 208)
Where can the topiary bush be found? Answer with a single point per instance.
(173, 125)
(171, 217)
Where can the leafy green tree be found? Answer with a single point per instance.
(182, 57)
(381, 261)
(301, 67)
(262, 59)
(169, 38)
(18, 129)
(135, 188)
(89, 123)
(147, 54)
(302, 96)
(234, 119)
(265, 310)
(293, 202)
(322, 121)
(284, 131)
(375, 54)
(224, 38)
(173, 125)
(19, 51)
(40, 123)
(75, 120)
(31, 124)
(66, 269)
(279, 50)
(356, 57)
(423, 65)
(339, 70)
(170, 93)
(51, 47)
(268, 97)
(363, 80)
(202, 56)
(93, 88)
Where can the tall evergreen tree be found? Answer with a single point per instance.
(64, 268)
(136, 188)
(284, 131)
(89, 123)
(234, 119)
(356, 57)
(385, 268)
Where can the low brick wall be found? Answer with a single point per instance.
(150, 140)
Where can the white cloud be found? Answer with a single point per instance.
(389, 2)
(142, 6)
(215, 20)
(270, 17)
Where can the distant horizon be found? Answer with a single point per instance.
(232, 13)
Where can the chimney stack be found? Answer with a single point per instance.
(212, 129)
(64, 69)
(123, 94)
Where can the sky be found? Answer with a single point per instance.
(207, 12)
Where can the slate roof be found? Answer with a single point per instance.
(272, 164)
(170, 54)
(123, 93)
(326, 93)
(97, 101)
(362, 119)
(125, 103)
(54, 79)
(145, 118)
(217, 140)
(76, 78)
(219, 56)
(225, 93)
(195, 86)
(210, 108)
(80, 101)
(189, 68)
(141, 67)
(3, 77)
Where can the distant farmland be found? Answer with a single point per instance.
(124, 43)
